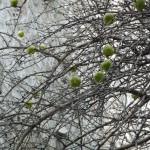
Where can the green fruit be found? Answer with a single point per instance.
(72, 69)
(108, 18)
(42, 46)
(105, 65)
(20, 33)
(74, 81)
(98, 76)
(134, 96)
(108, 50)
(28, 104)
(139, 4)
(13, 3)
(31, 49)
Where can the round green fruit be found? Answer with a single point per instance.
(108, 18)
(108, 50)
(20, 33)
(42, 46)
(13, 3)
(105, 65)
(98, 76)
(134, 96)
(31, 49)
(74, 81)
(28, 104)
(139, 4)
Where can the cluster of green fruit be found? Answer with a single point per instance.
(108, 18)
(108, 50)
(74, 81)
(32, 49)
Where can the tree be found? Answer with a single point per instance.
(40, 110)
